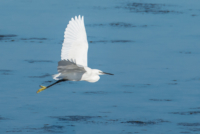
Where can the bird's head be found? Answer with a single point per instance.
(99, 72)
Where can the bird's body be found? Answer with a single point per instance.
(71, 71)
(73, 64)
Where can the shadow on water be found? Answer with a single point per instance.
(12, 38)
(5, 72)
(42, 76)
(95, 92)
(111, 41)
(172, 83)
(117, 24)
(75, 118)
(127, 92)
(138, 85)
(189, 124)
(194, 127)
(33, 61)
(3, 118)
(143, 123)
(7, 37)
(185, 52)
(195, 108)
(160, 100)
(104, 120)
(45, 129)
(72, 121)
(187, 113)
(47, 82)
(34, 38)
(147, 8)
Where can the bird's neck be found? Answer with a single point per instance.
(90, 75)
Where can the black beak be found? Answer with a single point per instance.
(107, 73)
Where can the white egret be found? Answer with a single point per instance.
(73, 64)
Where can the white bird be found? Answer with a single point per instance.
(73, 64)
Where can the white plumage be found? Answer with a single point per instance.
(75, 45)
(73, 64)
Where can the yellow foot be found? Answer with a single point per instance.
(41, 89)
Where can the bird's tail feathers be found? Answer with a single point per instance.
(56, 76)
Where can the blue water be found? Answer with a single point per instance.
(152, 47)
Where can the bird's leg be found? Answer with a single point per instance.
(43, 87)
(57, 82)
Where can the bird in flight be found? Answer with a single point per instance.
(73, 64)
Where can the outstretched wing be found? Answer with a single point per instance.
(75, 45)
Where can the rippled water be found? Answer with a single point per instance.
(152, 47)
